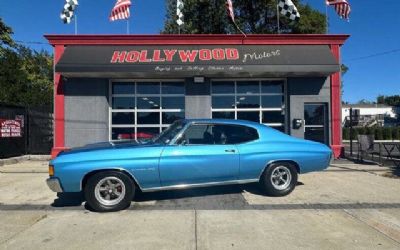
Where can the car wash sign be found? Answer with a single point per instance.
(10, 128)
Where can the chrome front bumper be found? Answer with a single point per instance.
(54, 185)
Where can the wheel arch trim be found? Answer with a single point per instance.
(297, 166)
(122, 170)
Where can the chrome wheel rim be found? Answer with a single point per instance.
(281, 178)
(110, 191)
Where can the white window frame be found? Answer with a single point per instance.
(135, 111)
(260, 109)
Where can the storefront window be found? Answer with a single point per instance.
(123, 88)
(259, 101)
(250, 102)
(253, 116)
(123, 133)
(123, 118)
(223, 102)
(173, 88)
(141, 110)
(224, 115)
(170, 117)
(123, 103)
(223, 88)
(152, 88)
(173, 102)
(250, 87)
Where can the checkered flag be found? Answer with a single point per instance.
(68, 12)
(288, 9)
(179, 8)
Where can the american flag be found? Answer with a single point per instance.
(342, 7)
(229, 10)
(120, 10)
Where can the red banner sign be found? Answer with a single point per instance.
(10, 128)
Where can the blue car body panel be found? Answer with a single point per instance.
(195, 164)
(156, 166)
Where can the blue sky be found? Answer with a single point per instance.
(374, 28)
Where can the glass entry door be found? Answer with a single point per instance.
(316, 122)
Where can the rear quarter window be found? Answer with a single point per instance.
(240, 134)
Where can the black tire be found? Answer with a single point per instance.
(270, 188)
(98, 202)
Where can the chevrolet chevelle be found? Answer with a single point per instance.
(190, 153)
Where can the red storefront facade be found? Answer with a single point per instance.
(125, 43)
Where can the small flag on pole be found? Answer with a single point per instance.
(231, 15)
(229, 10)
(68, 12)
(342, 7)
(288, 9)
(179, 13)
(120, 10)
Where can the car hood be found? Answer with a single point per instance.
(108, 145)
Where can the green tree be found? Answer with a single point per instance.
(5, 35)
(393, 100)
(252, 16)
(25, 75)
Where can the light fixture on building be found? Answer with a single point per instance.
(199, 79)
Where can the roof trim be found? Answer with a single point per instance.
(270, 39)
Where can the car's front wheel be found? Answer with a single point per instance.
(109, 191)
(279, 179)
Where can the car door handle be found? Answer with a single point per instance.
(230, 150)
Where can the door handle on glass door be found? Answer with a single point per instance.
(230, 150)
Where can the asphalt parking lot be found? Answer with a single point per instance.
(346, 206)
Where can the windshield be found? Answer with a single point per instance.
(167, 135)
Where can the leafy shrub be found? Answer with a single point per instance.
(378, 134)
(396, 133)
(346, 133)
(362, 131)
(370, 131)
(355, 133)
(387, 133)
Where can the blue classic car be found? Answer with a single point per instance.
(190, 153)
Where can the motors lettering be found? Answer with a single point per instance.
(169, 55)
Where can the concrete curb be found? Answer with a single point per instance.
(14, 160)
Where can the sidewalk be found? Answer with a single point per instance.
(369, 167)
(346, 206)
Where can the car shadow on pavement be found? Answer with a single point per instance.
(228, 193)
(252, 188)
(68, 200)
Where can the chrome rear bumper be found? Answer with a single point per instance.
(54, 185)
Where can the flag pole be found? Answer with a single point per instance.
(277, 17)
(76, 24)
(326, 18)
(127, 26)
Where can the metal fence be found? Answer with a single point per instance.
(382, 152)
(25, 130)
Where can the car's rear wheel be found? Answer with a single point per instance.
(109, 191)
(279, 179)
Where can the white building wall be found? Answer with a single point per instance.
(387, 111)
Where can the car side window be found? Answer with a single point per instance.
(237, 134)
(217, 134)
